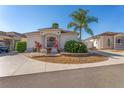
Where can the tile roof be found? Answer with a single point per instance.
(62, 30)
(11, 34)
(103, 34)
(108, 34)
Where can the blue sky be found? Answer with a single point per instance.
(30, 18)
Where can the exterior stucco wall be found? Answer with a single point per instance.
(101, 42)
(56, 32)
(31, 39)
(104, 42)
(66, 37)
(23, 39)
(93, 43)
(97, 43)
(89, 43)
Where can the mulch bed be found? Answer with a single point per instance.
(71, 59)
(117, 51)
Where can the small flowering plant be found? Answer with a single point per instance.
(38, 46)
(56, 44)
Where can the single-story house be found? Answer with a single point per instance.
(6, 41)
(17, 37)
(106, 40)
(47, 37)
(10, 38)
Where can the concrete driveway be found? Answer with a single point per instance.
(18, 64)
(95, 77)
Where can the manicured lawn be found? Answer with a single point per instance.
(72, 60)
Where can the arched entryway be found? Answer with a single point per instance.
(50, 41)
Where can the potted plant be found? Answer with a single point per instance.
(58, 50)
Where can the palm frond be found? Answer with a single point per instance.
(72, 24)
(76, 29)
(76, 17)
(81, 20)
(91, 19)
(88, 30)
(83, 12)
(79, 15)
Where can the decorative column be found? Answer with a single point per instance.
(59, 34)
(11, 46)
(114, 42)
(42, 39)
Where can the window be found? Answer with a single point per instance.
(119, 41)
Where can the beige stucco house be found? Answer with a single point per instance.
(6, 41)
(107, 40)
(47, 36)
(10, 38)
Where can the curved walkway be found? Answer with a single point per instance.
(19, 64)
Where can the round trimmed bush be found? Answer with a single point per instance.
(73, 46)
(21, 46)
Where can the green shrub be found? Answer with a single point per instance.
(73, 46)
(21, 46)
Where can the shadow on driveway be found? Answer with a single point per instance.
(8, 54)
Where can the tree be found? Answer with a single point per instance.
(81, 21)
(55, 25)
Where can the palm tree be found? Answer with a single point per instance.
(81, 21)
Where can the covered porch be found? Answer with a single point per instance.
(7, 41)
(50, 40)
(119, 41)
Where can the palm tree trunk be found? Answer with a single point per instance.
(80, 35)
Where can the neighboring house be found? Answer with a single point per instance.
(16, 37)
(6, 41)
(107, 40)
(10, 38)
(47, 37)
